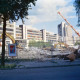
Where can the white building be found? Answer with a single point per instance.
(65, 33)
(10, 29)
(25, 33)
(31, 33)
(76, 39)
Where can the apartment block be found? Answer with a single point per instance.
(31, 33)
(25, 33)
(76, 39)
(65, 33)
(10, 29)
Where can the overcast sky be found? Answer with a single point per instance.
(44, 14)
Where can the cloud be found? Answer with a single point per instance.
(46, 10)
(71, 17)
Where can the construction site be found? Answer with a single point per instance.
(27, 50)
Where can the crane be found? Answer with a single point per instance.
(69, 24)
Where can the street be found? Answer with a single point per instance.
(55, 73)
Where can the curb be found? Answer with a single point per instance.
(48, 66)
(42, 67)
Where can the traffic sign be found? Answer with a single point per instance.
(12, 49)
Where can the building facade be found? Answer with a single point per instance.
(31, 33)
(10, 29)
(25, 33)
(65, 33)
(76, 39)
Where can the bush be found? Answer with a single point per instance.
(39, 44)
(8, 66)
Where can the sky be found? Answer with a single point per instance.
(44, 15)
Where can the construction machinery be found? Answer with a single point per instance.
(69, 24)
(11, 37)
(60, 45)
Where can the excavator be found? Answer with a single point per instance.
(12, 38)
(60, 45)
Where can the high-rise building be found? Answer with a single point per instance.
(65, 33)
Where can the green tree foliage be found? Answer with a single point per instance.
(77, 43)
(39, 44)
(15, 9)
(12, 10)
(77, 7)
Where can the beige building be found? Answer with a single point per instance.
(25, 33)
(10, 29)
(31, 33)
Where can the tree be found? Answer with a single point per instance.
(0, 18)
(12, 10)
(77, 7)
(77, 43)
(39, 44)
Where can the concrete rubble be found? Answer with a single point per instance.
(37, 53)
(41, 54)
(32, 53)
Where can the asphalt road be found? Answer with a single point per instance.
(56, 73)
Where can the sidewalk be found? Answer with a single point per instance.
(46, 64)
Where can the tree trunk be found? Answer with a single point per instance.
(3, 42)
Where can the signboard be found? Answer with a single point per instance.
(12, 49)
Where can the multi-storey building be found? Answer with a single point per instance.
(31, 33)
(76, 39)
(34, 34)
(50, 37)
(65, 33)
(18, 33)
(25, 33)
(10, 29)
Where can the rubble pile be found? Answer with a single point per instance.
(32, 53)
(37, 53)
(71, 49)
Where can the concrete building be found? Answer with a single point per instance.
(38, 35)
(25, 33)
(19, 32)
(76, 39)
(10, 29)
(43, 35)
(65, 33)
(50, 37)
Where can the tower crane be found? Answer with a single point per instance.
(69, 24)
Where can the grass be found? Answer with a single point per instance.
(8, 66)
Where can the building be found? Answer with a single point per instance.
(65, 33)
(10, 29)
(31, 33)
(24, 33)
(76, 39)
